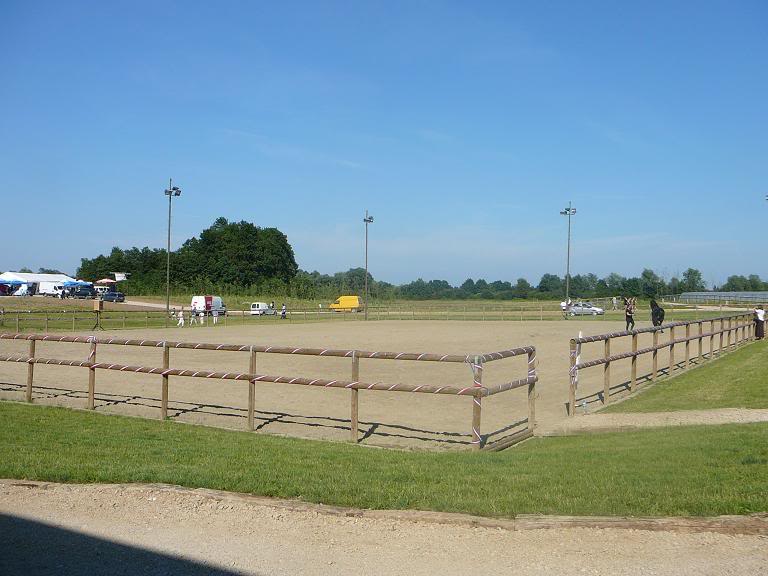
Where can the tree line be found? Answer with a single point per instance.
(240, 258)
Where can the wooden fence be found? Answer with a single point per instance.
(52, 320)
(732, 330)
(476, 390)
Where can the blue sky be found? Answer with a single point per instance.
(463, 127)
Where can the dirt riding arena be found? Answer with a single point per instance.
(399, 419)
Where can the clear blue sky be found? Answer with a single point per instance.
(463, 127)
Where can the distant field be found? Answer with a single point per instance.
(53, 314)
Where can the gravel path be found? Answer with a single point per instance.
(68, 529)
(626, 421)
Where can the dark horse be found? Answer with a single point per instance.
(657, 314)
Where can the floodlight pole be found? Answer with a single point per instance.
(170, 192)
(367, 220)
(570, 211)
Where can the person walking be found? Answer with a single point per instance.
(629, 313)
(192, 317)
(759, 322)
(282, 312)
(180, 316)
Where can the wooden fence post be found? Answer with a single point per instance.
(573, 375)
(146, 319)
(671, 350)
(633, 376)
(531, 391)
(251, 389)
(92, 376)
(607, 371)
(722, 327)
(30, 369)
(354, 398)
(123, 320)
(46, 323)
(17, 323)
(730, 330)
(164, 391)
(701, 331)
(477, 376)
(711, 339)
(655, 354)
(687, 346)
(73, 320)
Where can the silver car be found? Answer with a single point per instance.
(584, 309)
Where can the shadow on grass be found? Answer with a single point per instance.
(263, 419)
(35, 548)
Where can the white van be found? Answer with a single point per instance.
(207, 304)
(261, 309)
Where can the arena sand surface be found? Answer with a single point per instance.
(396, 419)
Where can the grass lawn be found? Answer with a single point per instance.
(738, 380)
(677, 471)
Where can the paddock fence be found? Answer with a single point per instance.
(475, 389)
(731, 331)
(51, 320)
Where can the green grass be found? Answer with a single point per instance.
(678, 471)
(738, 380)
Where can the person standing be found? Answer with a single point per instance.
(614, 302)
(759, 322)
(282, 312)
(180, 316)
(629, 313)
(215, 315)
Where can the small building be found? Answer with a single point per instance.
(48, 284)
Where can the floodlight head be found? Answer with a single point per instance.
(368, 219)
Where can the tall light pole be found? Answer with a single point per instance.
(367, 220)
(570, 211)
(171, 191)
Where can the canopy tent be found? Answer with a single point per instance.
(106, 281)
(12, 282)
(72, 283)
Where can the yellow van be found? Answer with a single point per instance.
(347, 304)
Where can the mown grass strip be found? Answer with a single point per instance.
(738, 380)
(679, 471)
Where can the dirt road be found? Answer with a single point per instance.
(61, 529)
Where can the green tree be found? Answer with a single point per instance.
(692, 281)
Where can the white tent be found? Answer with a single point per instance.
(45, 283)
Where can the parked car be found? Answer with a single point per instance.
(113, 297)
(261, 309)
(82, 292)
(584, 309)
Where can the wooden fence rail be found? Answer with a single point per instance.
(737, 328)
(475, 389)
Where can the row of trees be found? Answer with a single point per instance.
(237, 255)
(242, 258)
